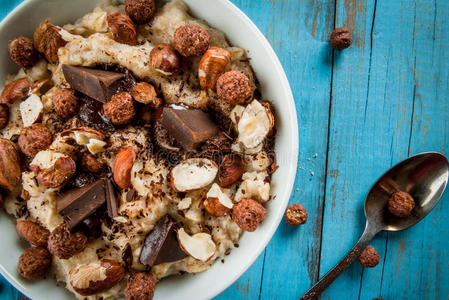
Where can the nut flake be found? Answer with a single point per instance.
(200, 246)
(31, 110)
(193, 174)
(255, 124)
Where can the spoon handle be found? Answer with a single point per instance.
(352, 255)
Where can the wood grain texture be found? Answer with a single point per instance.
(360, 111)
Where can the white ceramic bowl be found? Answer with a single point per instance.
(241, 32)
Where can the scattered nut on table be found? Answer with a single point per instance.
(191, 40)
(22, 52)
(141, 286)
(369, 257)
(295, 215)
(341, 38)
(401, 204)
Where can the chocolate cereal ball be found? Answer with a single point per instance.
(233, 87)
(120, 110)
(191, 40)
(140, 286)
(140, 11)
(341, 38)
(4, 115)
(295, 215)
(34, 263)
(63, 244)
(401, 204)
(34, 138)
(369, 257)
(65, 102)
(22, 52)
(248, 214)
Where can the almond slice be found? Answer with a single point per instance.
(31, 110)
(254, 125)
(193, 174)
(200, 246)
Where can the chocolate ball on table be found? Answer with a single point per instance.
(341, 38)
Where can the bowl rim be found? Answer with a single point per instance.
(287, 183)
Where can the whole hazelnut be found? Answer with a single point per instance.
(122, 28)
(34, 138)
(214, 62)
(22, 52)
(191, 40)
(64, 244)
(33, 233)
(4, 115)
(48, 40)
(401, 204)
(120, 109)
(165, 59)
(141, 286)
(248, 214)
(10, 172)
(15, 91)
(34, 263)
(295, 215)
(341, 38)
(231, 169)
(146, 93)
(65, 102)
(369, 257)
(233, 87)
(90, 163)
(140, 11)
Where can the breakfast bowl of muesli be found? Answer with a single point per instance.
(146, 148)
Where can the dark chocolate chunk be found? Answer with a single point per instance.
(78, 204)
(97, 84)
(161, 244)
(130, 195)
(91, 226)
(190, 127)
(111, 199)
(90, 112)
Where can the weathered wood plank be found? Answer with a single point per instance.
(370, 127)
(418, 258)
(299, 32)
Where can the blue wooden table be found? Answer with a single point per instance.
(360, 111)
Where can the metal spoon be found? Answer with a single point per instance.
(424, 176)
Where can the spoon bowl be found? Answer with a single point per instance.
(423, 176)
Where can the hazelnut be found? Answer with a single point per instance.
(191, 40)
(33, 233)
(57, 175)
(401, 204)
(165, 59)
(234, 87)
(15, 91)
(10, 172)
(34, 138)
(64, 244)
(122, 28)
(141, 286)
(122, 167)
(94, 278)
(369, 257)
(141, 11)
(22, 52)
(65, 102)
(214, 62)
(145, 93)
(34, 263)
(214, 207)
(48, 40)
(295, 215)
(4, 115)
(248, 214)
(341, 38)
(120, 109)
(231, 169)
(90, 163)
